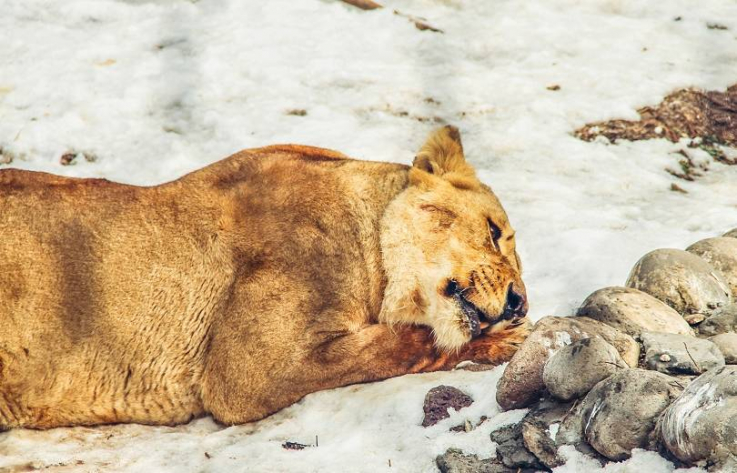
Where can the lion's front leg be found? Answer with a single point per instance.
(381, 352)
(374, 353)
(498, 343)
(236, 391)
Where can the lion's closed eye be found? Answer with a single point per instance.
(495, 233)
(444, 217)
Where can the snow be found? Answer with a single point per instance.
(641, 461)
(357, 428)
(155, 89)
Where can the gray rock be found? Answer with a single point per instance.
(471, 366)
(570, 432)
(722, 322)
(511, 450)
(591, 359)
(727, 344)
(455, 461)
(683, 281)
(441, 398)
(621, 412)
(729, 463)
(522, 384)
(684, 379)
(700, 424)
(680, 354)
(539, 429)
(731, 234)
(633, 312)
(721, 254)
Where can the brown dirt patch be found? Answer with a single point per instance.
(708, 118)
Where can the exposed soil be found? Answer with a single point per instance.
(708, 118)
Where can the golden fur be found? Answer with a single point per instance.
(240, 288)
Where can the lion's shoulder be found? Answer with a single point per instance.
(287, 162)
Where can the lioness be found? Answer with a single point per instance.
(240, 288)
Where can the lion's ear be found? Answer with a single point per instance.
(442, 156)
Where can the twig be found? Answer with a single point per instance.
(698, 368)
(419, 23)
(679, 384)
(570, 409)
(364, 4)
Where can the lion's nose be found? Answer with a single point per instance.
(516, 303)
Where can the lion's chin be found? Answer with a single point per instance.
(455, 332)
(471, 315)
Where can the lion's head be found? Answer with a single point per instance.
(449, 250)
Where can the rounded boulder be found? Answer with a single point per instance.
(727, 344)
(622, 411)
(522, 383)
(633, 312)
(573, 370)
(682, 280)
(721, 253)
(700, 424)
(680, 354)
(723, 322)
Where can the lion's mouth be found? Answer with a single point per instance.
(473, 315)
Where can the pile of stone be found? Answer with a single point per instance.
(652, 365)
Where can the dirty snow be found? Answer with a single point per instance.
(155, 89)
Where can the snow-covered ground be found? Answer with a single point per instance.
(154, 89)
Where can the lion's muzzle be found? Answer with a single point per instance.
(516, 305)
(472, 313)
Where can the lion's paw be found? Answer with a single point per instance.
(499, 343)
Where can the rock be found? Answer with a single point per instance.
(441, 398)
(570, 432)
(591, 359)
(539, 429)
(722, 322)
(700, 424)
(511, 450)
(455, 461)
(727, 344)
(721, 254)
(682, 280)
(621, 412)
(731, 234)
(680, 354)
(727, 464)
(471, 366)
(633, 312)
(522, 384)
(694, 319)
